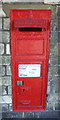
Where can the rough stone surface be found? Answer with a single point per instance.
(7, 48)
(4, 90)
(2, 14)
(5, 37)
(10, 90)
(6, 60)
(6, 24)
(2, 70)
(1, 49)
(6, 80)
(57, 106)
(10, 107)
(0, 60)
(4, 107)
(0, 36)
(51, 1)
(6, 99)
(0, 23)
(8, 70)
(8, 1)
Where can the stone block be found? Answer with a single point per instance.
(6, 99)
(53, 98)
(10, 107)
(28, 115)
(0, 91)
(53, 37)
(6, 24)
(7, 48)
(58, 24)
(1, 48)
(49, 106)
(58, 59)
(5, 37)
(57, 106)
(7, 1)
(2, 70)
(0, 23)
(6, 80)
(4, 107)
(59, 36)
(2, 13)
(0, 60)
(10, 90)
(8, 70)
(4, 90)
(54, 25)
(6, 60)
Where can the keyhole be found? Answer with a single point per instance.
(23, 90)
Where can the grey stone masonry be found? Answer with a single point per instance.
(7, 48)
(5, 37)
(1, 49)
(6, 60)
(0, 23)
(6, 23)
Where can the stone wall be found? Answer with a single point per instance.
(5, 69)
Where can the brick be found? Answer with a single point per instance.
(0, 60)
(6, 60)
(0, 23)
(5, 37)
(1, 49)
(7, 48)
(8, 70)
(2, 70)
(6, 80)
(10, 90)
(6, 99)
(6, 24)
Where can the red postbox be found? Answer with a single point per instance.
(30, 32)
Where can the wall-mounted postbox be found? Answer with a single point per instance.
(30, 32)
